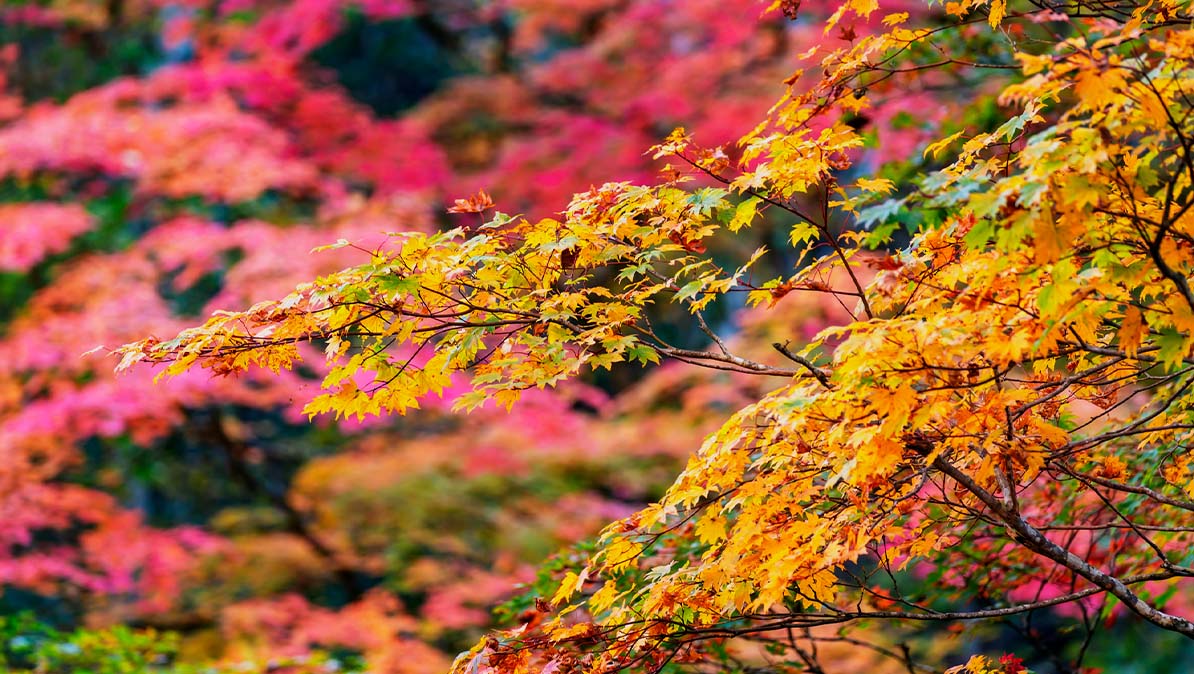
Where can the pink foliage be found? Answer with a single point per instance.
(212, 150)
(290, 626)
(33, 231)
(467, 600)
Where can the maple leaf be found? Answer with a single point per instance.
(478, 203)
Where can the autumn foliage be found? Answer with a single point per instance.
(891, 374)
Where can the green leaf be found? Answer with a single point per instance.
(643, 354)
(744, 214)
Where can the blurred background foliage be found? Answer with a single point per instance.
(160, 159)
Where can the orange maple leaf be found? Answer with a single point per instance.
(479, 202)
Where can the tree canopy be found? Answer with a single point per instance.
(1007, 411)
(993, 200)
